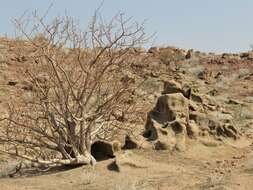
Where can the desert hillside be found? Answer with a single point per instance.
(191, 126)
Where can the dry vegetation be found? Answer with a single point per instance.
(70, 97)
(81, 92)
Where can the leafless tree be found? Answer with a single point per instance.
(81, 91)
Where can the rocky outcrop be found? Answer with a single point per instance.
(167, 123)
(167, 55)
(180, 114)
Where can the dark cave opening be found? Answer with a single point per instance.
(102, 151)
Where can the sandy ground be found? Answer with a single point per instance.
(199, 168)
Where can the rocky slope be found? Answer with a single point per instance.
(195, 131)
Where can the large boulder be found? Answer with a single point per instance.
(178, 115)
(166, 125)
(172, 86)
(170, 107)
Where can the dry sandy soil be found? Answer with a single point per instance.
(219, 165)
(199, 168)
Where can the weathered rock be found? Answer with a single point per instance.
(227, 130)
(189, 54)
(171, 87)
(204, 100)
(195, 97)
(192, 129)
(149, 87)
(170, 107)
(203, 75)
(167, 55)
(153, 50)
(179, 129)
(137, 142)
(233, 101)
(200, 119)
(247, 55)
(166, 124)
(193, 106)
(166, 136)
(12, 83)
(216, 126)
(213, 92)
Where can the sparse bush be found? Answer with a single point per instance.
(79, 89)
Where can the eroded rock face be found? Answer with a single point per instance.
(177, 117)
(166, 124)
(170, 107)
(219, 127)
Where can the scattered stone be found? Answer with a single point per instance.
(213, 92)
(12, 83)
(203, 75)
(247, 55)
(154, 74)
(189, 54)
(138, 142)
(196, 98)
(218, 75)
(193, 129)
(171, 87)
(27, 86)
(153, 50)
(233, 101)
